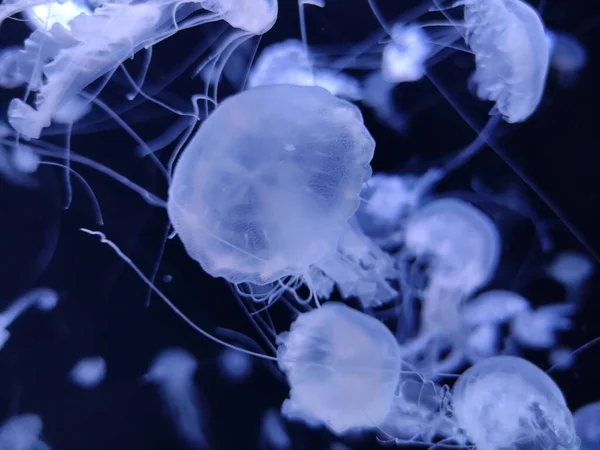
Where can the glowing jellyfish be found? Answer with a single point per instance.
(273, 196)
(10, 75)
(43, 299)
(494, 307)
(538, 328)
(22, 432)
(511, 54)
(505, 402)
(342, 366)
(287, 63)
(587, 425)
(88, 373)
(460, 243)
(567, 56)
(235, 365)
(571, 269)
(44, 16)
(172, 370)
(404, 57)
(378, 94)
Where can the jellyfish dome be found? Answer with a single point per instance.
(462, 243)
(267, 185)
(343, 368)
(506, 402)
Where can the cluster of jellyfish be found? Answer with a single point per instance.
(392, 326)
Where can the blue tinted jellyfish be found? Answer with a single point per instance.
(404, 58)
(505, 402)
(573, 270)
(460, 243)
(287, 63)
(343, 368)
(234, 365)
(68, 60)
(22, 432)
(274, 199)
(172, 370)
(568, 56)
(587, 425)
(539, 328)
(89, 372)
(273, 434)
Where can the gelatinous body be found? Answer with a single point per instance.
(22, 432)
(88, 373)
(511, 55)
(172, 370)
(505, 402)
(268, 183)
(342, 366)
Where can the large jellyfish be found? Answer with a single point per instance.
(505, 402)
(267, 187)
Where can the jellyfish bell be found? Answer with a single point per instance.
(343, 368)
(461, 243)
(266, 188)
(507, 402)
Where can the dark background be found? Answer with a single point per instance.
(102, 310)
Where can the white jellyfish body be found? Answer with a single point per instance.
(587, 425)
(571, 269)
(567, 55)
(88, 373)
(511, 55)
(235, 365)
(95, 45)
(462, 244)
(505, 402)
(172, 370)
(287, 63)
(46, 15)
(403, 59)
(22, 432)
(267, 186)
(539, 328)
(494, 307)
(253, 16)
(342, 366)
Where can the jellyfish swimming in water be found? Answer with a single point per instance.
(274, 200)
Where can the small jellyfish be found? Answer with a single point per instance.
(572, 270)
(275, 198)
(287, 63)
(88, 373)
(235, 365)
(567, 56)
(505, 402)
(461, 244)
(538, 328)
(172, 370)
(44, 299)
(587, 425)
(22, 432)
(404, 57)
(342, 366)
(494, 307)
(273, 435)
(377, 94)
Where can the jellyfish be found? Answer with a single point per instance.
(172, 370)
(287, 63)
(505, 402)
(89, 372)
(587, 425)
(404, 57)
(538, 328)
(568, 56)
(342, 366)
(460, 243)
(44, 299)
(96, 44)
(22, 432)
(274, 200)
(234, 365)
(572, 270)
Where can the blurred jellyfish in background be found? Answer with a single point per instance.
(364, 217)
